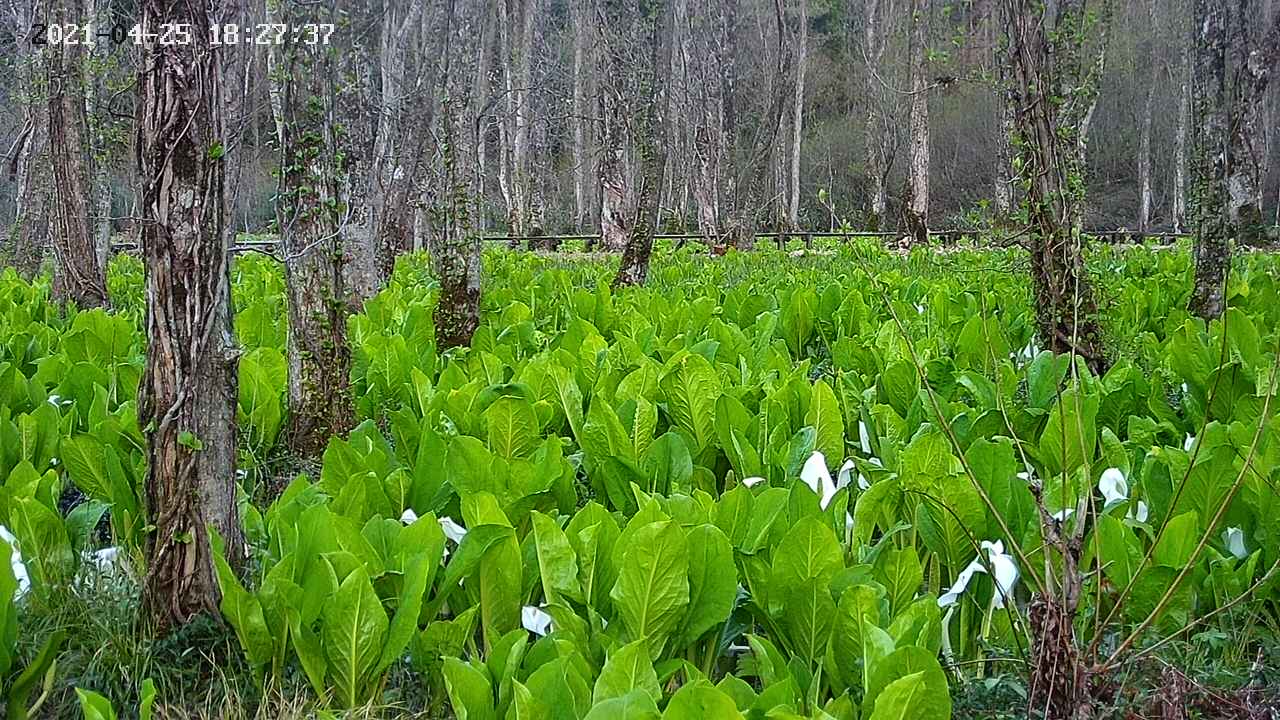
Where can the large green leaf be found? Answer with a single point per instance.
(652, 590)
(824, 416)
(690, 387)
(354, 631)
(628, 668)
(557, 561)
(713, 583)
(512, 427)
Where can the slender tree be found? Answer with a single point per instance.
(80, 275)
(650, 134)
(187, 396)
(28, 165)
(312, 213)
(878, 138)
(797, 115)
(1055, 81)
(917, 207)
(1226, 167)
(1150, 56)
(1180, 140)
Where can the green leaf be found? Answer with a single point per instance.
(666, 464)
(690, 387)
(905, 662)
(635, 705)
(910, 698)
(188, 440)
(628, 668)
(701, 701)
(39, 673)
(557, 562)
(824, 416)
(353, 633)
(652, 590)
(470, 690)
(95, 706)
(1179, 540)
(512, 427)
(713, 583)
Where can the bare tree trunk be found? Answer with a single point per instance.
(1005, 177)
(312, 210)
(1144, 133)
(1056, 88)
(79, 276)
(651, 144)
(28, 166)
(875, 40)
(1226, 165)
(456, 252)
(395, 152)
(187, 396)
(615, 210)
(1180, 142)
(797, 116)
(517, 64)
(581, 18)
(917, 210)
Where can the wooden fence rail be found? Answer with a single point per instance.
(269, 246)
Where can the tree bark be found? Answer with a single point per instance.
(875, 134)
(79, 276)
(797, 115)
(650, 139)
(581, 174)
(1225, 163)
(396, 148)
(187, 396)
(456, 251)
(312, 211)
(1180, 142)
(1148, 52)
(917, 210)
(29, 167)
(1056, 87)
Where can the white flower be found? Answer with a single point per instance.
(1115, 490)
(1114, 487)
(106, 559)
(535, 620)
(1002, 566)
(962, 583)
(1184, 388)
(752, 481)
(843, 478)
(1004, 569)
(1064, 514)
(15, 561)
(1188, 442)
(864, 438)
(919, 309)
(452, 530)
(409, 517)
(1233, 538)
(818, 478)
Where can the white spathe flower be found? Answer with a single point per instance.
(1188, 442)
(1002, 565)
(919, 309)
(1004, 570)
(535, 620)
(106, 560)
(1233, 538)
(845, 475)
(1064, 514)
(961, 584)
(15, 561)
(864, 438)
(818, 478)
(408, 517)
(752, 481)
(1114, 487)
(1115, 490)
(452, 530)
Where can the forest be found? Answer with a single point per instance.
(649, 359)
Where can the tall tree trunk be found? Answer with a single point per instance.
(1180, 141)
(1226, 164)
(615, 194)
(797, 115)
(79, 276)
(651, 142)
(187, 396)
(311, 212)
(1056, 88)
(917, 210)
(1144, 133)
(456, 252)
(29, 167)
(581, 29)
(1005, 177)
(361, 118)
(396, 152)
(875, 134)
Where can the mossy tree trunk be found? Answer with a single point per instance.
(187, 396)
(312, 213)
(79, 276)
